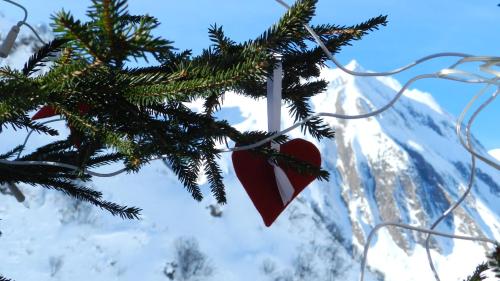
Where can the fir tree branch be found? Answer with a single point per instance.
(222, 80)
(493, 265)
(39, 58)
(214, 172)
(138, 111)
(76, 32)
(11, 153)
(289, 28)
(222, 43)
(186, 168)
(494, 261)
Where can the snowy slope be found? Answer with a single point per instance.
(403, 165)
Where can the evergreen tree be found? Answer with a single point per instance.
(138, 113)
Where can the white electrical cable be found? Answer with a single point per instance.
(35, 32)
(443, 74)
(20, 6)
(418, 229)
(470, 147)
(320, 43)
(467, 145)
(453, 207)
(486, 67)
(61, 165)
(31, 132)
(11, 37)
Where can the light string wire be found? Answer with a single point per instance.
(431, 231)
(34, 32)
(447, 73)
(489, 62)
(24, 20)
(458, 128)
(21, 7)
(468, 147)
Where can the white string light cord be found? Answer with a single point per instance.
(450, 73)
(489, 62)
(451, 208)
(21, 7)
(57, 164)
(473, 167)
(11, 37)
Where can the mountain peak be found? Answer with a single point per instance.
(354, 65)
(495, 153)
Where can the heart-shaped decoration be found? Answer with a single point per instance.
(49, 111)
(257, 176)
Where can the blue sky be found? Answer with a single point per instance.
(415, 29)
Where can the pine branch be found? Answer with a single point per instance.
(476, 276)
(300, 109)
(138, 113)
(23, 122)
(289, 28)
(493, 265)
(77, 33)
(222, 43)
(213, 103)
(186, 170)
(302, 167)
(110, 11)
(103, 160)
(38, 59)
(11, 153)
(176, 90)
(494, 261)
(214, 172)
(62, 179)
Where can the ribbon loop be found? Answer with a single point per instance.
(274, 88)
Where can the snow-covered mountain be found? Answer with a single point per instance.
(404, 165)
(495, 153)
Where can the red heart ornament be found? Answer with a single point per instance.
(257, 176)
(48, 111)
(44, 112)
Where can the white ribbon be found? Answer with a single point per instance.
(274, 87)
